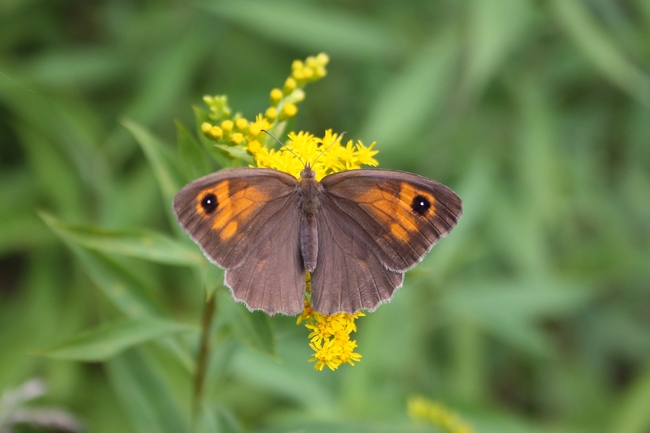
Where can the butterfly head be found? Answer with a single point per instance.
(307, 173)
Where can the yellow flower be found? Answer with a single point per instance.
(256, 127)
(365, 154)
(276, 96)
(436, 413)
(241, 124)
(289, 110)
(237, 138)
(271, 113)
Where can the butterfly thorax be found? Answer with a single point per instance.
(309, 204)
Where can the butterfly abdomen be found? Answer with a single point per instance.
(309, 204)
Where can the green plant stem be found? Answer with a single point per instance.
(204, 350)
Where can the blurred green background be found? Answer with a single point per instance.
(532, 316)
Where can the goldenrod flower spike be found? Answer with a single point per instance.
(282, 105)
(329, 335)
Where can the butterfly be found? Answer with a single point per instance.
(356, 232)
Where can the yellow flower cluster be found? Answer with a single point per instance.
(330, 335)
(325, 154)
(224, 128)
(420, 408)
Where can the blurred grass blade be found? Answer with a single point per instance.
(511, 311)
(598, 46)
(142, 244)
(159, 158)
(23, 231)
(252, 328)
(411, 99)
(284, 380)
(130, 296)
(109, 340)
(192, 154)
(311, 27)
(214, 417)
(539, 161)
(496, 28)
(634, 414)
(146, 398)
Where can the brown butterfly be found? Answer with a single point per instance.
(355, 231)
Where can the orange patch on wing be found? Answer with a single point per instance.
(221, 191)
(392, 206)
(230, 230)
(236, 203)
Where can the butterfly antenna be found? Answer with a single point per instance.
(340, 136)
(282, 145)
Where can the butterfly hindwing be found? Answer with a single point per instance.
(348, 276)
(272, 276)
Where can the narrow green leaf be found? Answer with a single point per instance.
(145, 396)
(23, 231)
(309, 26)
(252, 328)
(599, 47)
(193, 156)
(496, 28)
(129, 295)
(212, 278)
(236, 152)
(414, 96)
(633, 415)
(159, 158)
(107, 341)
(511, 310)
(284, 379)
(142, 244)
(216, 418)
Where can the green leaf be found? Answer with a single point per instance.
(159, 158)
(598, 46)
(495, 29)
(633, 415)
(216, 418)
(408, 102)
(212, 278)
(193, 156)
(146, 398)
(510, 310)
(312, 27)
(129, 295)
(236, 152)
(142, 244)
(252, 328)
(109, 340)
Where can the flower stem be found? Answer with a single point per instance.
(203, 355)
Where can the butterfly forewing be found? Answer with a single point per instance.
(247, 221)
(227, 213)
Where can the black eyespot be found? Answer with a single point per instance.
(209, 203)
(420, 204)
